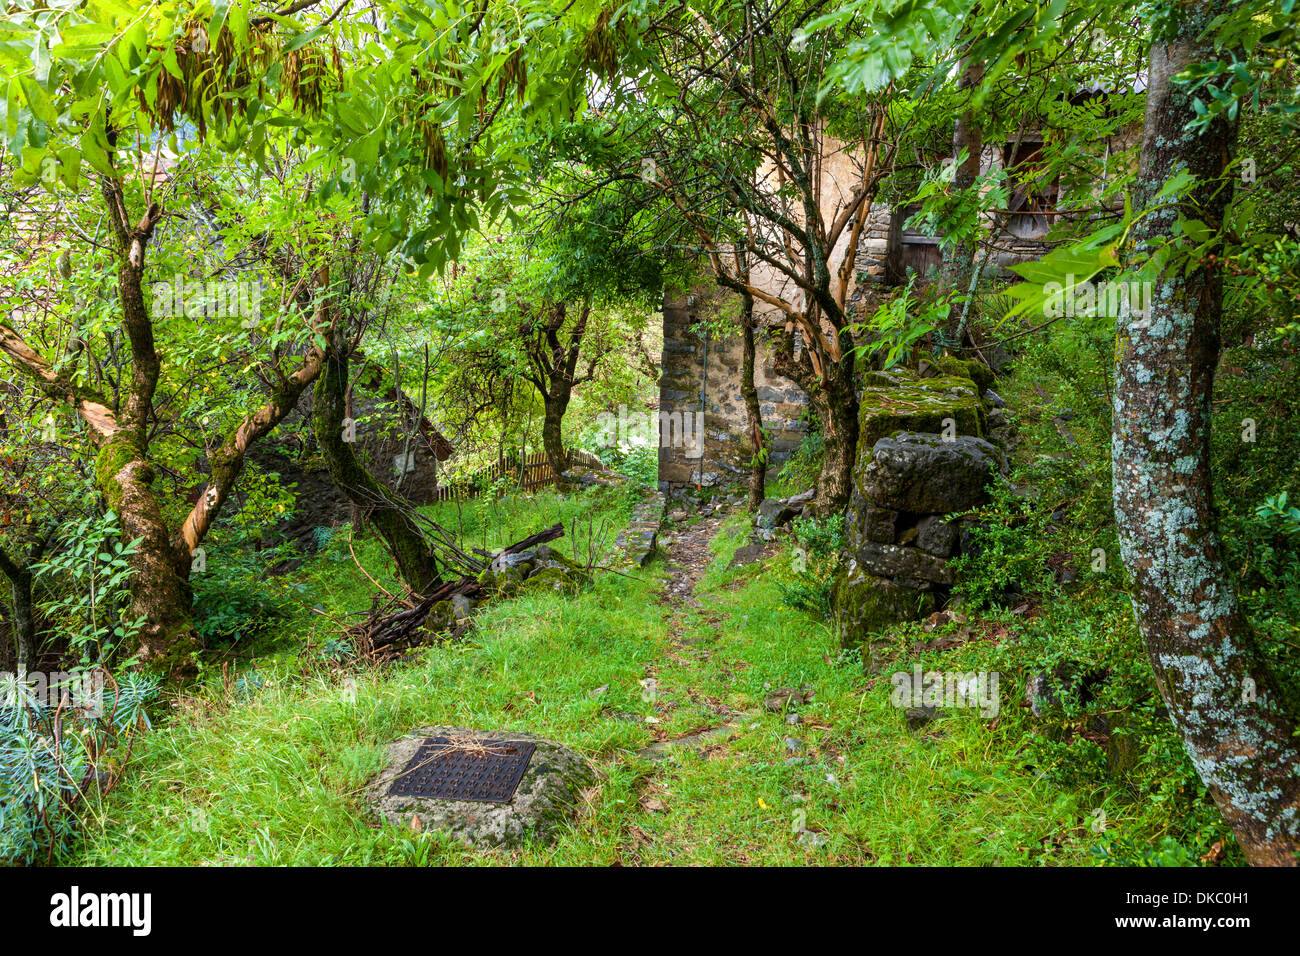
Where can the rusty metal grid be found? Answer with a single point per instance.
(478, 770)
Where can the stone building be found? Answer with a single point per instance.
(702, 377)
(700, 383)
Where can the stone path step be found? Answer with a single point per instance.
(638, 541)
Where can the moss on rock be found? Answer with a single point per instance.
(865, 605)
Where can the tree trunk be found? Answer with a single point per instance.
(955, 272)
(835, 399)
(1219, 693)
(839, 413)
(160, 591)
(389, 515)
(753, 410)
(24, 619)
(555, 403)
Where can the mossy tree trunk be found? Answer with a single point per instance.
(19, 574)
(1217, 688)
(160, 591)
(390, 515)
(832, 393)
(753, 409)
(553, 353)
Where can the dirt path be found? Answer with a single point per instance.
(687, 559)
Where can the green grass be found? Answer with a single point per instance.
(273, 776)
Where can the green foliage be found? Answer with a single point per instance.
(234, 598)
(45, 769)
(802, 468)
(87, 583)
(808, 593)
(640, 463)
(822, 538)
(899, 324)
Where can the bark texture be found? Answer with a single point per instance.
(389, 515)
(24, 619)
(1218, 691)
(753, 409)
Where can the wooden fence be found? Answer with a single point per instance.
(534, 471)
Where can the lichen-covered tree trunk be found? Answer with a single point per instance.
(1218, 691)
(389, 515)
(753, 409)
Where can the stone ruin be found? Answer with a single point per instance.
(929, 448)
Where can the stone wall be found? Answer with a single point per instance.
(720, 453)
(290, 451)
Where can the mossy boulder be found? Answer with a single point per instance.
(504, 582)
(866, 604)
(544, 556)
(442, 617)
(977, 372)
(919, 405)
(553, 580)
(928, 474)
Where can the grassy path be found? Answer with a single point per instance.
(727, 726)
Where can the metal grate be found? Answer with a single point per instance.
(477, 769)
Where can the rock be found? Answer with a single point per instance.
(442, 617)
(800, 500)
(994, 399)
(773, 513)
(462, 607)
(864, 522)
(747, 554)
(879, 525)
(918, 717)
(504, 583)
(794, 744)
(909, 566)
(522, 560)
(917, 405)
(937, 536)
(553, 579)
(542, 806)
(865, 604)
(783, 697)
(976, 371)
(1046, 691)
(925, 473)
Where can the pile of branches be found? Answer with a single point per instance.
(400, 621)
